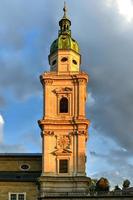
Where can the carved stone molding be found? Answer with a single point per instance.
(62, 90)
(81, 81)
(48, 82)
(63, 142)
(79, 132)
(48, 133)
(82, 132)
(74, 80)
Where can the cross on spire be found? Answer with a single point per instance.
(65, 9)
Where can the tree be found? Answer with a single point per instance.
(126, 184)
(102, 185)
(117, 188)
(92, 187)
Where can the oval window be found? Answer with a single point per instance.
(75, 62)
(64, 59)
(54, 62)
(25, 167)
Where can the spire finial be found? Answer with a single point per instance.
(65, 9)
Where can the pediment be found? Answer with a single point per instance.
(62, 90)
(62, 152)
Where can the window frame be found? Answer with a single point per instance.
(69, 98)
(66, 105)
(25, 169)
(58, 165)
(17, 195)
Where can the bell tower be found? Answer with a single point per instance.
(64, 127)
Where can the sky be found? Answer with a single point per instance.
(104, 31)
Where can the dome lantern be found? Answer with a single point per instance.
(64, 51)
(64, 40)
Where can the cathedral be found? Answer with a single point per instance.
(60, 169)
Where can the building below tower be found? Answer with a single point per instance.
(18, 176)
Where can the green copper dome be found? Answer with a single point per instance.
(64, 40)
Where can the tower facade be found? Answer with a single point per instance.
(64, 127)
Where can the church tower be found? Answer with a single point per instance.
(64, 127)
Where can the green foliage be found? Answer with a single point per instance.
(126, 184)
(117, 188)
(92, 187)
(102, 185)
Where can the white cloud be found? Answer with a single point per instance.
(125, 8)
(1, 128)
(90, 100)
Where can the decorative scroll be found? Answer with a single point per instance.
(48, 82)
(63, 142)
(62, 145)
(48, 133)
(62, 90)
(82, 133)
(81, 81)
(79, 132)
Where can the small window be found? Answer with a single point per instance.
(75, 62)
(54, 62)
(64, 59)
(13, 197)
(64, 105)
(25, 167)
(17, 196)
(20, 196)
(63, 166)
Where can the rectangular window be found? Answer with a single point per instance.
(63, 166)
(21, 197)
(17, 196)
(13, 197)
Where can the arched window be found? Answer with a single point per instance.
(64, 105)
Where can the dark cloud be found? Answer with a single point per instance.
(24, 40)
(20, 82)
(2, 101)
(108, 59)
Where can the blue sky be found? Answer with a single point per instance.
(104, 31)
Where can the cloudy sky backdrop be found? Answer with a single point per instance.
(104, 30)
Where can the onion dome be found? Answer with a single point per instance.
(64, 40)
